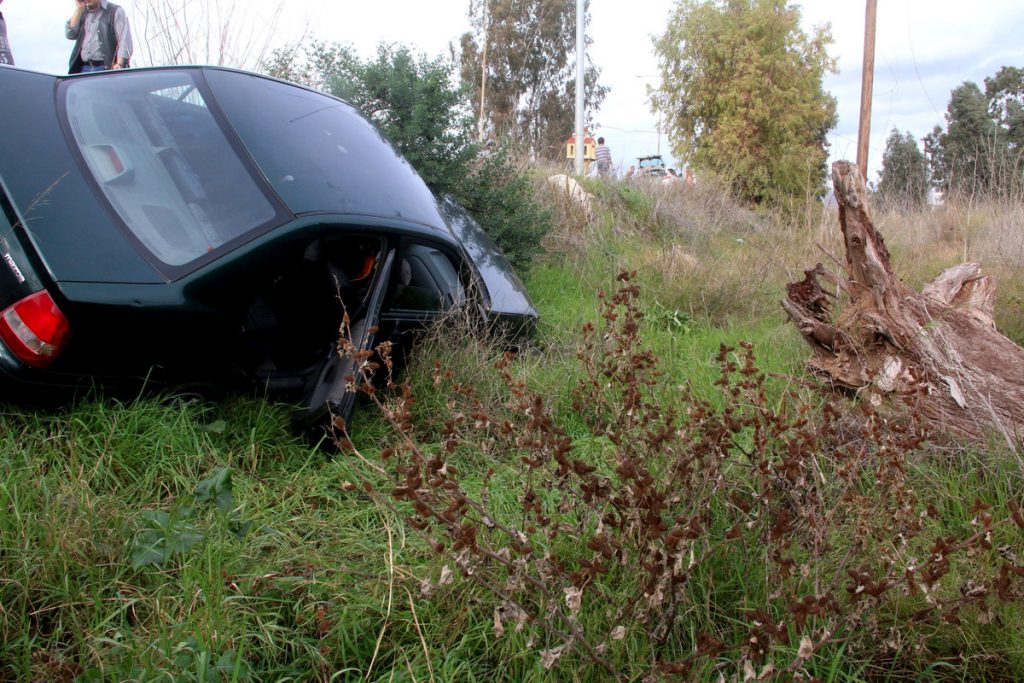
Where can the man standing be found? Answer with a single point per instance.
(102, 37)
(5, 47)
(603, 157)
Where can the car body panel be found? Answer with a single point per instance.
(263, 299)
(18, 273)
(507, 299)
(329, 390)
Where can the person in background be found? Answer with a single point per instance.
(603, 157)
(103, 39)
(5, 46)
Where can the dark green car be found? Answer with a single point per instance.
(204, 226)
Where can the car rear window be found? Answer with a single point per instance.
(161, 160)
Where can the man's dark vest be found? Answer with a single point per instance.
(5, 47)
(107, 35)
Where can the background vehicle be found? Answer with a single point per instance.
(196, 226)
(652, 165)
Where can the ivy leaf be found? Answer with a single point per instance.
(217, 489)
(240, 528)
(232, 664)
(167, 535)
(148, 550)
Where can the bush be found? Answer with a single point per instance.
(500, 197)
(664, 540)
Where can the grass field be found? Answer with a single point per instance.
(171, 541)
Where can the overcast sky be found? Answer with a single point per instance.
(924, 49)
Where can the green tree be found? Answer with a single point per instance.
(965, 152)
(1005, 93)
(904, 177)
(416, 104)
(980, 150)
(741, 93)
(530, 74)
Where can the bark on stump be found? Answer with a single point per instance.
(938, 348)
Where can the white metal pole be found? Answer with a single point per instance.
(483, 72)
(581, 54)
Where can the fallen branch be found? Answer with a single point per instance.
(937, 350)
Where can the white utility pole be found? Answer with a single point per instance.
(483, 72)
(581, 55)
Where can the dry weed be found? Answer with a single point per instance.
(573, 227)
(632, 538)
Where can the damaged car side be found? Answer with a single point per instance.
(201, 225)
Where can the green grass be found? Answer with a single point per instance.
(325, 581)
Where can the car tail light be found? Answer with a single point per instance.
(34, 329)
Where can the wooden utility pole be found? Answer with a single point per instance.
(866, 84)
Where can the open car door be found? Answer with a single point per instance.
(330, 391)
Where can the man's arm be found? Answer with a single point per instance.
(124, 39)
(74, 25)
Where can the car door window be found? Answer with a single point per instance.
(426, 281)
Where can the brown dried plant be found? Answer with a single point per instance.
(617, 546)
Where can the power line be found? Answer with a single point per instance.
(627, 130)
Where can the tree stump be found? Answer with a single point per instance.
(938, 349)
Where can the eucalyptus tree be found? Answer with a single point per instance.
(981, 150)
(521, 55)
(904, 177)
(742, 95)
